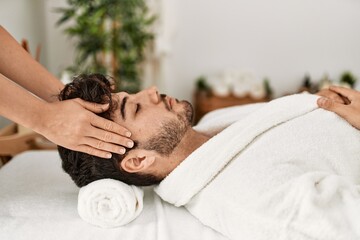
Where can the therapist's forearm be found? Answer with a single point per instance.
(19, 105)
(17, 65)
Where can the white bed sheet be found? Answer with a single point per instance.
(38, 201)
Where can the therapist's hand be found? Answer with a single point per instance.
(327, 93)
(73, 124)
(349, 111)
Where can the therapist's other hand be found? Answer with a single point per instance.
(327, 93)
(73, 124)
(349, 111)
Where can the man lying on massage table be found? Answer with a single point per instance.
(279, 170)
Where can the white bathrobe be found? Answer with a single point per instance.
(283, 170)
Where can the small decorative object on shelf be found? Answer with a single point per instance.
(229, 89)
(202, 85)
(308, 85)
(347, 79)
(268, 89)
(325, 82)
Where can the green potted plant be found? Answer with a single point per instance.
(348, 78)
(268, 89)
(111, 38)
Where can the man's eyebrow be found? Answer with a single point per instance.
(122, 107)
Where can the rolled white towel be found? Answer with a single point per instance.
(109, 203)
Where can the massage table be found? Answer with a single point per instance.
(39, 201)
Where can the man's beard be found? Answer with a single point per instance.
(188, 112)
(171, 132)
(188, 109)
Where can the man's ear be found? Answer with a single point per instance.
(137, 161)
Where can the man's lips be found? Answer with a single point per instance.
(166, 100)
(171, 102)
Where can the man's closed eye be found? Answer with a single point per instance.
(137, 109)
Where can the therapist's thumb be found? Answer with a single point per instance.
(331, 105)
(94, 107)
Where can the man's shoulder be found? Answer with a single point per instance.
(217, 120)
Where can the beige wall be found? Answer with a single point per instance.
(280, 39)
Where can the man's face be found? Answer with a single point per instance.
(157, 122)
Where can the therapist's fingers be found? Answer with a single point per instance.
(332, 95)
(104, 146)
(333, 106)
(93, 151)
(346, 92)
(108, 126)
(105, 136)
(91, 106)
(350, 112)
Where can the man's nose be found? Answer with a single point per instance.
(153, 94)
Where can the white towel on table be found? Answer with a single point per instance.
(109, 203)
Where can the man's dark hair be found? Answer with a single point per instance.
(84, 168)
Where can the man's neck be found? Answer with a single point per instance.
(191, 141)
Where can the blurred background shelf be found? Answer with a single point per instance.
(15, 139)
(205, 102)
